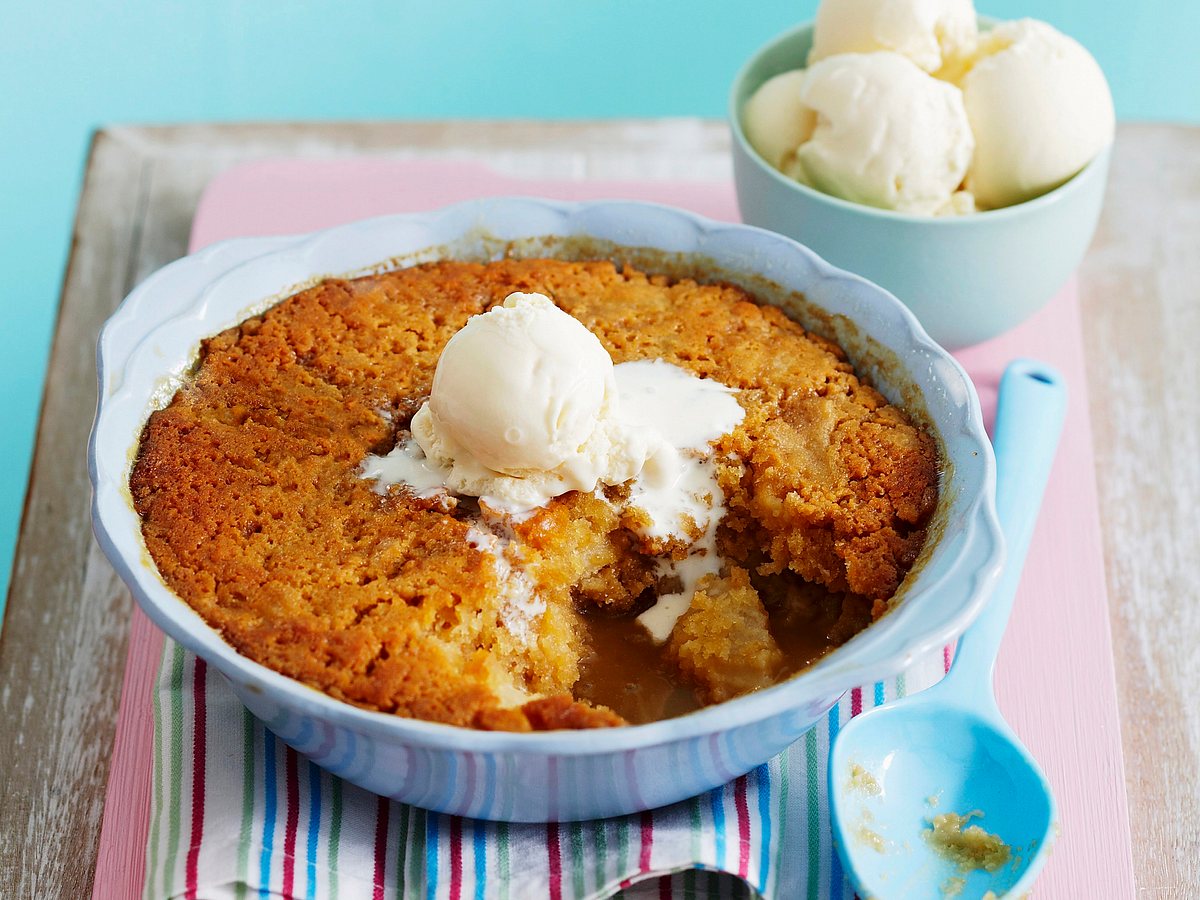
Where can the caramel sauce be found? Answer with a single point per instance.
(808, 620)
(636, 679)
(629, 674)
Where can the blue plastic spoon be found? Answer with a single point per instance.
(948, 749)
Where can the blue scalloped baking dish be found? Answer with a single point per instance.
(149, 343)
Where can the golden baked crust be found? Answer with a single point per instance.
(254, 511)
(723, 643)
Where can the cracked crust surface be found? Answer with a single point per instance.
(254, 512)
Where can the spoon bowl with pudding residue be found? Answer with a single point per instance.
(935, 796)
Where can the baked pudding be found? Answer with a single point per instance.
(526, 540)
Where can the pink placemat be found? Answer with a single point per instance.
(1055, 677)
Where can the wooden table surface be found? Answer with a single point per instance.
(62, 648)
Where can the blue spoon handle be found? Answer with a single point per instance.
(1029, 418)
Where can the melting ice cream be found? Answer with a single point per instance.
(527, 405)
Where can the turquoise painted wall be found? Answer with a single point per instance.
(67, 68)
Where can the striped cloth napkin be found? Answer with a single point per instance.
(237, 813)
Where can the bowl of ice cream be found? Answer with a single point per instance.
(165, 354)
(959, 163)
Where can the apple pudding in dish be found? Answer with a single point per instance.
(532, 494)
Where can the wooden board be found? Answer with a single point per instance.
(62, 647)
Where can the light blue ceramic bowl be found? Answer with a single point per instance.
(149, 343)
(968, 278)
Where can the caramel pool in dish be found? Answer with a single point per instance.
(437, 606)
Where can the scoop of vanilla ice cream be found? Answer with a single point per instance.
(524, 407)
(932, 33)
(887, 134)
(776, 121)
(522, 386)
(1040, 108)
